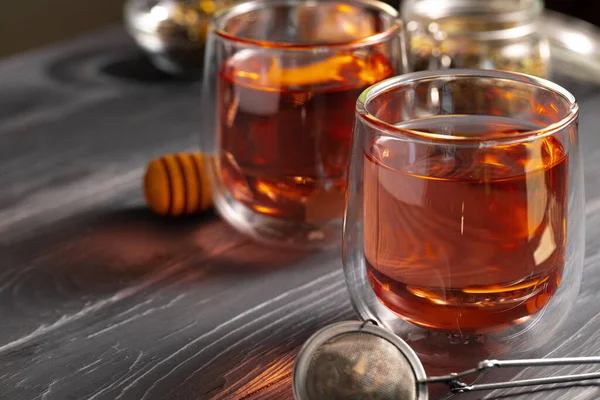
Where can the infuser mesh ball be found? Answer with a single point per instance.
(358, 365)
(361, 361)
(357, 361)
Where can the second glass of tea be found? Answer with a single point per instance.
(465, 207)
(281, 82)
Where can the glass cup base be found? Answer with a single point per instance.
(278, 232)
(444, 352)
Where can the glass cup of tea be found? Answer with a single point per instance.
(279, 92)
(465, 208)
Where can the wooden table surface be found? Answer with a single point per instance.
(100, 299)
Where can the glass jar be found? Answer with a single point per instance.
(486, 34)
(172, 32)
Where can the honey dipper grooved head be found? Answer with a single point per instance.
(176, 184)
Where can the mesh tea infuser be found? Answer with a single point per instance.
(354, 360)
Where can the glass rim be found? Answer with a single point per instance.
(254, 5)
(395, 82)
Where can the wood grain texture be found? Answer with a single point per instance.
(100, 299)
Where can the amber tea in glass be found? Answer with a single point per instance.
(464, 202)
(473, 239)
(285, 135)
(287, 80)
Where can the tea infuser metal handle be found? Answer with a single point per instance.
(456, 385)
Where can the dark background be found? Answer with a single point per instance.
(588, 10)
(26, 24)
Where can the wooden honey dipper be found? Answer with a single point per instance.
(177, 184)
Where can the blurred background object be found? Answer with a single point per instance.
(172, 32)
(492, 34)
(57, 20)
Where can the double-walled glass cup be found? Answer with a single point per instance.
(465, 207)
(280, 87)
